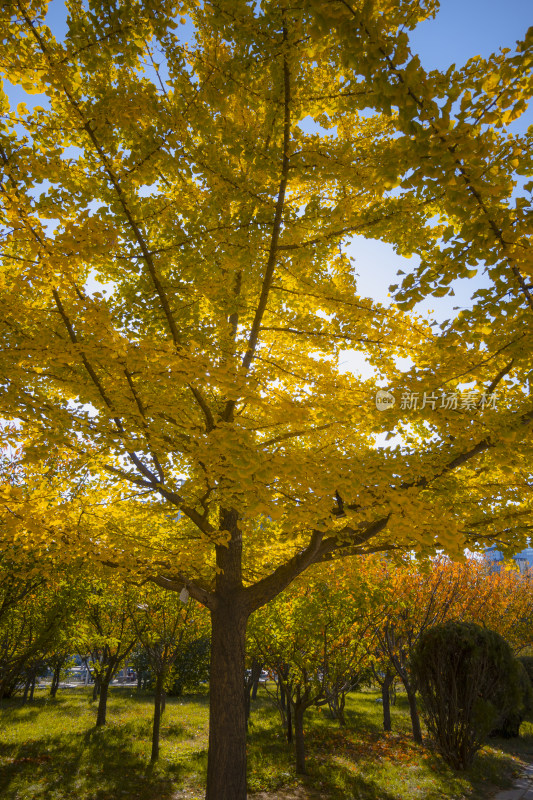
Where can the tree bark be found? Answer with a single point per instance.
(282, 696)
(32, 686)
(413, 711)
(385, 696)
(158, 703)
(299, 741)
(54, 686)
(226, 760)
(340, 710)
(289, 721)
(26, 690)
(226, 764)
(102, 703)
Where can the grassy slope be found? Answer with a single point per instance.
(50, 750)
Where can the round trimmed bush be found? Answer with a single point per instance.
(469, 680)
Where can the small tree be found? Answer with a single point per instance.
(385, 679)
(110, 637)
(31, 618)
(310, 638)
(468, 678)
(165, 628)
(58, 662)
(399, 601)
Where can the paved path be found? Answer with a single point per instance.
(522, 790)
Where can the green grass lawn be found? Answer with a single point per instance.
(50, 750)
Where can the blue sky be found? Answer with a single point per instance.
(464, 28)
(461, 29)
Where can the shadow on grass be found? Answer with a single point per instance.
(359, 719)
(332, 757)
(100, 764)
(14, 708)
(490, 770)
(521, 746)
(339, 782)
(134, 695)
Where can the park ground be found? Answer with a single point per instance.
(51, 750)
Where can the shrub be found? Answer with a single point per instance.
(527, 662)
(191, 666)
(468, 679)
(508, 723)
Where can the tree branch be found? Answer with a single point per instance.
(276, 229)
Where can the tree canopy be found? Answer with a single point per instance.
(176, 287)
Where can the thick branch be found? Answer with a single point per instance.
(264, 590)
(276, 229)
(178, 583)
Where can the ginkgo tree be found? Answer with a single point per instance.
(176, 291)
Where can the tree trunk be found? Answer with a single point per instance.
(250, 687)
(289, 722)
(336, 700)
(282, 696)
(299, 710)
(385, 696)
(413, 710)
(102, 703)
(96, 687)
(26, 689)
(247, 702)
(32, 686)
(340, 710)
(256, 674)
(226, 762)
(54, 686)
(158, 702)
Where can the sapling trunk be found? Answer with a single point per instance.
(385, 696)
(413, 711)
(299, 739)
(102, 703)
(158, 710)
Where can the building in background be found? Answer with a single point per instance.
(495, 558)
